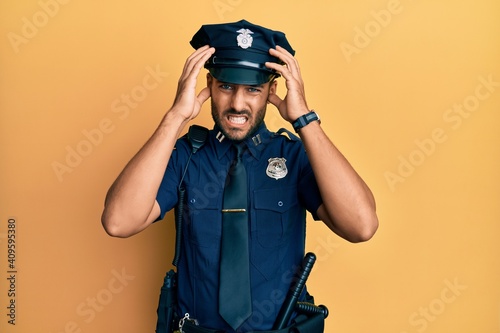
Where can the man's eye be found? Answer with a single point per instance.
(226, 86)
(253, 90)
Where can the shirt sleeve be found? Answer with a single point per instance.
(167, 196)
(308, 187)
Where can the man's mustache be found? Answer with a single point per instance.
(237, 113)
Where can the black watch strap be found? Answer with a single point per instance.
(305, 120)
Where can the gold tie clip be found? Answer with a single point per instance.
(234, 210)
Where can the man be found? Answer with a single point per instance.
(284, 177)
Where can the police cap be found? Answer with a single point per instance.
(241, 51)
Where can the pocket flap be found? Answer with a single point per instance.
(277, 199)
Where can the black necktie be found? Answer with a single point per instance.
(234, 291)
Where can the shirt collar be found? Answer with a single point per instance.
(255, 143)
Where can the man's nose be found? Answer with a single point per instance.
(238, 100)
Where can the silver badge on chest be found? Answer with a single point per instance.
(276, 168)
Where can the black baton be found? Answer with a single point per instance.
(295, 291)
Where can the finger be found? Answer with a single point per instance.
(197, 60)
(284, 71)
(290, 59)
(195, 54)
(201, 60)
(275, 100)
(281, 69)
(187, 81)
(283, 50)
(203, 95)
(192, 69)
(194, 65)
(285, 56)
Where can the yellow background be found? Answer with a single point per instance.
(387, 78)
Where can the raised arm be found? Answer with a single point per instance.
(348, 206)
(130, 204)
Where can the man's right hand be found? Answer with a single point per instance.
(186, 102)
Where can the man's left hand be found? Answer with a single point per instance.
(294, 104)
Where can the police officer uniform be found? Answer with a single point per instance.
(281, 188)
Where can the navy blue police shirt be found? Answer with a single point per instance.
(281, 187)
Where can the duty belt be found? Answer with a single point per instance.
(301, 324)
(310, 318)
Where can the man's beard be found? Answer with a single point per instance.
(255, 121)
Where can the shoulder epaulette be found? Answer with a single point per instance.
(286, 133)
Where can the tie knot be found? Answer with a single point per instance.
(240, 149)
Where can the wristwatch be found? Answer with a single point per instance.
(305, 120)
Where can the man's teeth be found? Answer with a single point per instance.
(237, 120)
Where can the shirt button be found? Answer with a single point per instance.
(280, 203)
(192, 201)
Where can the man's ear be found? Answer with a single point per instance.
(273, 86)
(209, 80)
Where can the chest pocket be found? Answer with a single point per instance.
(204, 224)
(274, 213)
